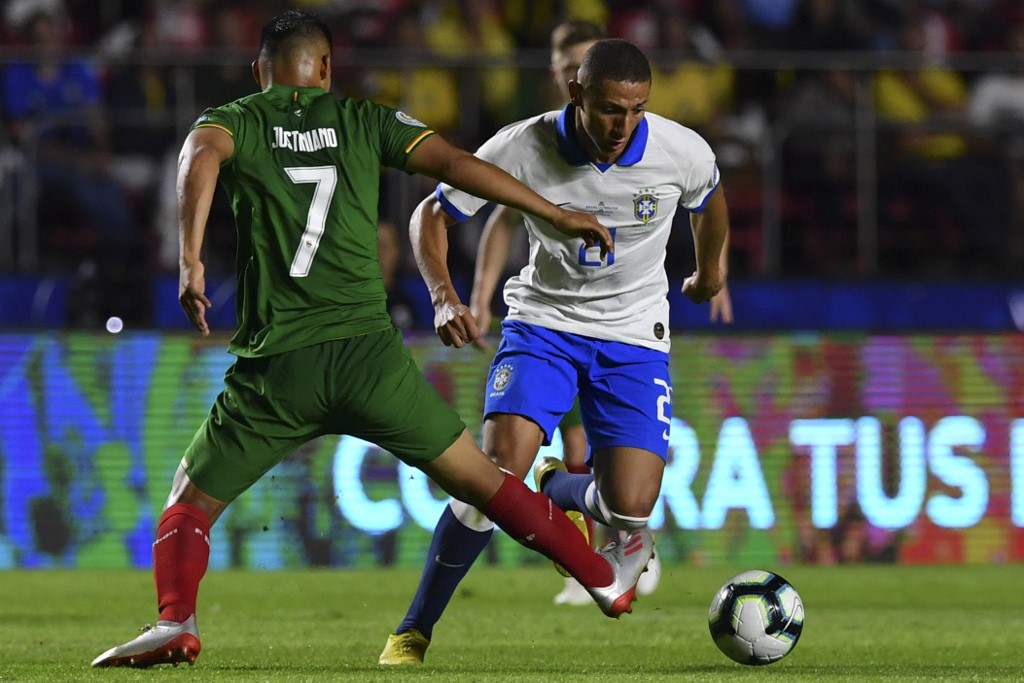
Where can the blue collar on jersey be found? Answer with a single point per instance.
(573, 153)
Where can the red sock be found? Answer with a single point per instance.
(591, 530)
(536, 522)
(181, 554)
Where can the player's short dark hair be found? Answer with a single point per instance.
(291, 28)
(614, 59)
(574, 32)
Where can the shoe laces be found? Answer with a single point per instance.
(408, 645)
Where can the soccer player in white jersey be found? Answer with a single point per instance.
(569, 42)
(592, 321)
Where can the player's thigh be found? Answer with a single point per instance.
(532, 376)
(381, 396)
(268, 408)
(626, 398)
(464, 472)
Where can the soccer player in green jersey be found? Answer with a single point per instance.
(316, 351)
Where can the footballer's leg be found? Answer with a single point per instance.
(609, 575)
(534, 521)
(574, 455)
(181, 553)
(519, 418)
(459, 538)
(246, 433)
(629, 482)
(512, 441)
(627, 398)
(620, 494)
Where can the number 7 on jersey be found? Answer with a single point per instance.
(326, 179)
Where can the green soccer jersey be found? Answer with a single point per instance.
(304, 182)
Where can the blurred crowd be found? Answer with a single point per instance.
(822, 113)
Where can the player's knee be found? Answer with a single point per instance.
(470, 516)
(512, 442)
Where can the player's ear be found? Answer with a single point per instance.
(256, 72)
(575, 93)
(325, 71)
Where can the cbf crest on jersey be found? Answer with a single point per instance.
(502, 376)
(645, 205)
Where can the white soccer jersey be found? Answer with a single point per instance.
(567, 287)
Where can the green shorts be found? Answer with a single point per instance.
(366, 386)
(573, 418)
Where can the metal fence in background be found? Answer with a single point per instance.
(814, 190)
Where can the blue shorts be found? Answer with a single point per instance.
(625, 390)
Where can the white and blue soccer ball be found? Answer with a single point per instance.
(756, 617)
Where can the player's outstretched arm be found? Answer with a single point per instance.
(199, 163)
(438, 159)
(710, 232)
(428, 233)
(491, 256)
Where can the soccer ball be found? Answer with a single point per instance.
(756, 617)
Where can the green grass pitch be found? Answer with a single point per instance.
(872, 623)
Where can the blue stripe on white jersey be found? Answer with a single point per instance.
(452, 210)
(704, 202)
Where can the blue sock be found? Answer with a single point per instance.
(568, 491)
(453, 549)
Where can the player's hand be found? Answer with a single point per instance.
(721, 305)
(455, 324)
(192, 294)
(700, 287)
(585, 227)
(482, 315)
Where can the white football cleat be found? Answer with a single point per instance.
(629, 560)
(649, 580)
(169, 642)
(573, 594)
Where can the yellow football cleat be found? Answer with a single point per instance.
(541, 470)
(404, 648)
